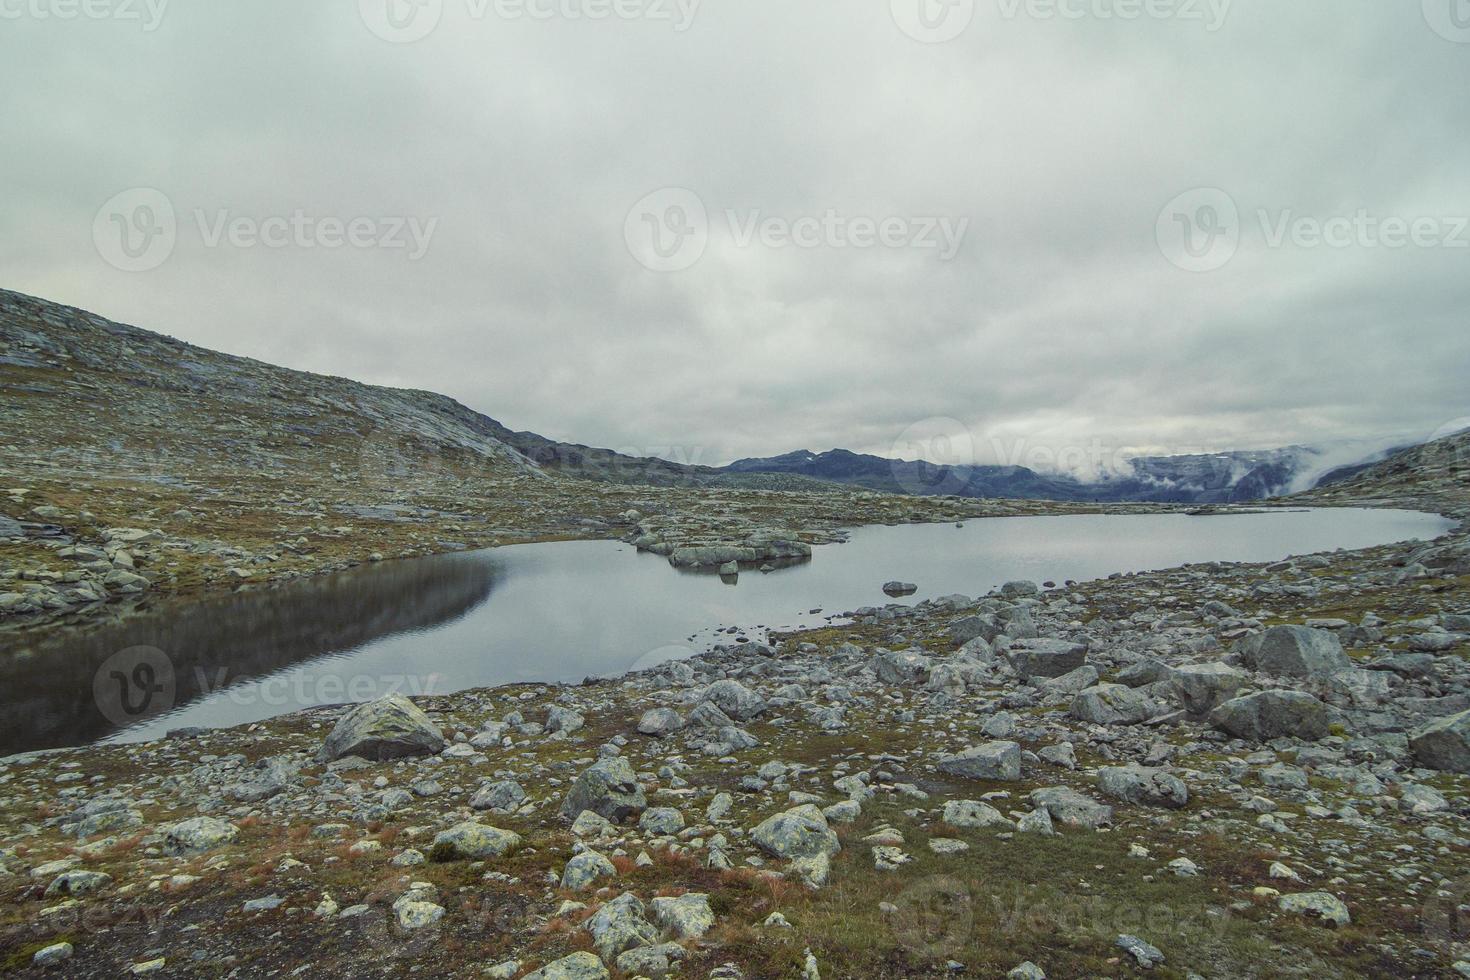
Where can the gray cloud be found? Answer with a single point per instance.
(1059, 323)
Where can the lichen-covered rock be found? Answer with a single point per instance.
(197, 835)
(1324, 907)
(1203, 687)
(1114, 704)
(736, 700)
(621, 925)
(609, 788)
(688, 916)
(972, 814)
(797, 833)
(999, 761)
(470, 841)
(662, 820)
(1046, 658)
(505, 796)
(1071, 808)
(1273, 714)
(1144, 786)
(660, 722)
(578, 966)
(1443, 744)
(584, 869)
(389, 728)
(1295, 651)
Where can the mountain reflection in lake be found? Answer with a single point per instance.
(565, 611)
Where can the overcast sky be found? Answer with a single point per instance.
(717, 229)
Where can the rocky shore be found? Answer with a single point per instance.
(1216, 771)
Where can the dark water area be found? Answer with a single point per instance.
(565, 611)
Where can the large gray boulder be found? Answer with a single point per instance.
(472, 841)
(798, 833)
(1273, 714)
(999, 761)
(198, 835)
(1046, 658)
(1295, 651)
(1443, 744)
(1144, 786)
(1114, 704)
(1071, 808)
(1203, 687)
(389, 728)
(983, 626)
(907, 667)
(609, 789)
(735, 699)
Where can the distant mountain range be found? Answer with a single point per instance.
(1214, 478)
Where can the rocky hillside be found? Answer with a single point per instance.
(1434, 476)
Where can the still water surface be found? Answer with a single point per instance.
(566, 611)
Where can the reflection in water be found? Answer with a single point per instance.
(561, 612)
(50, 698)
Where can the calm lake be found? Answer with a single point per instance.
(566, 611)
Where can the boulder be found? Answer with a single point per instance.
(470, 841)
(903, 668)
(197, 835)
(1326, 908)
(736, 700)
(1273, 714)
(584, 869)
(1295, 651)
(801, 832)
(609, 788)
(660, 722)
(1114, 704)
(1071, 808)
(1203, 687)
(505, 796)
(621, 925)
(1443, 744)
(973, 814)
(1147, 787)
(1046, 658)
(578, 966)
(687, 917)
(982, 627)
(390, 728)
(1000, 761)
